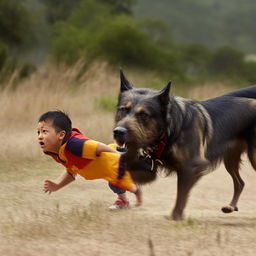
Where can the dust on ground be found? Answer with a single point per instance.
(76, 219)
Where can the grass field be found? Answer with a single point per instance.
(76, 219)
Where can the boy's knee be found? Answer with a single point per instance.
(115, 189)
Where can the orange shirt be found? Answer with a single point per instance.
(78, 155)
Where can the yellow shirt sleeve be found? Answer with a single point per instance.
(89, 149)
(113, 145)
(71, 171)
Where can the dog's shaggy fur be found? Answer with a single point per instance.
(186, 136)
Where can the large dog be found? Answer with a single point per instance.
(186, 136)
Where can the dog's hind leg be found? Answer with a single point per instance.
(232, 161)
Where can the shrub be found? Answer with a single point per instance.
(249, 71)
(15, 22)
(3, 54)
(122, 41)
(71, 38)
(69, 43)
(94, 32)
(226, 61)
(195, 58)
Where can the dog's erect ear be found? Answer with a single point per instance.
(125, 84)
(164, 93)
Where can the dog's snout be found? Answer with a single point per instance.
(120, 131)
(120, 135)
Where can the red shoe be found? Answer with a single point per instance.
(119, 204)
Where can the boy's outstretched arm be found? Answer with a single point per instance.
(104, 148)
(64, 179)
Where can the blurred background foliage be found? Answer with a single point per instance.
(183, 40)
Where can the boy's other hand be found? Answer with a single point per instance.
(50, 186)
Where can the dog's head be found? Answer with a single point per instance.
(140, 118)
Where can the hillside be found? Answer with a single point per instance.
(211, 22)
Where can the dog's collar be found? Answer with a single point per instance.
(158, 150)
(155, 152)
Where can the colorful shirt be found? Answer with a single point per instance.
(78, 155)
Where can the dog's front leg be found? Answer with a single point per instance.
(186, 180)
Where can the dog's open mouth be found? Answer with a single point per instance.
(122, 148)
(120, 141)
(121, 145)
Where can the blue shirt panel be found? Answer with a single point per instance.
(75, 146)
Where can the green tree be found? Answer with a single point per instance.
(120, 6)
(209, 22)
(93, 32)
(3, 54)
(157, 30)
(59, 9)
(195, 58)
(249, 71)
(73, 38)
(226, 61)
(15, 22)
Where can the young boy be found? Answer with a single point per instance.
(81, 155)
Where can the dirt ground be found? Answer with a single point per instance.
(76, 219)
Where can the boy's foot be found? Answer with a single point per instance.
(119, 204)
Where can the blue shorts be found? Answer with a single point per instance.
(116, 190)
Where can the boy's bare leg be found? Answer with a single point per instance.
(122, 196)
(138, 194)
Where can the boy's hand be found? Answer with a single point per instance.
(64, 179)
(50, 186)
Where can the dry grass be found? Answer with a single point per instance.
(210, 90)
(75, 220)
(49, 89)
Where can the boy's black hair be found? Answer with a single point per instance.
(60, 121)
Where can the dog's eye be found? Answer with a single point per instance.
(143, 115)
(124, 110)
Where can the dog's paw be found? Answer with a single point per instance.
(229, 209)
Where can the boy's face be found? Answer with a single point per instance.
(49, 140)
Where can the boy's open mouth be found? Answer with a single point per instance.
(41, 143)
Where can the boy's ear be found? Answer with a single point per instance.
(62, 134)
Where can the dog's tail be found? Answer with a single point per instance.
(251, 150)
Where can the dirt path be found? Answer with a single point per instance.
(76, 221)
